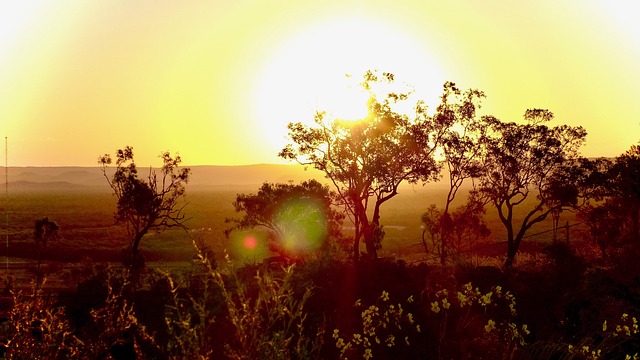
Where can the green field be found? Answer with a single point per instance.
(87, 229)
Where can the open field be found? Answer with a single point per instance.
(80, 201)
(82, 273)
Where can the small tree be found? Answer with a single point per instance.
(519, 164)
(624, 188)
(464, 227)
(461, 148)
(45, 231)
(297, 218)
(146, 204)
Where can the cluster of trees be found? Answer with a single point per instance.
(526, 171)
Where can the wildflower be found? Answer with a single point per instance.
(390, 340)
(358, 303)
(604, 326)
(525, 330)
(410, 299)
(491, 325)
(445, 303)
(335, 333)
(384, 296)
(367, 354)
(434, 307)
(366, 342)
(410, 318)
(406, 340)
(462, 298)
(340, 343)
(357, 339)
(467, 287)
(486, 299)
(418, 328)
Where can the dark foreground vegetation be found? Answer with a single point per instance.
(333, 289)
(561, 307)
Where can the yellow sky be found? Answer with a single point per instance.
(217, 81)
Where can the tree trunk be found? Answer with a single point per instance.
(369, 241)
(512, 249)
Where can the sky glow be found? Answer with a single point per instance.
(217, 82)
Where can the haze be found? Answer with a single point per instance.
(217, 81)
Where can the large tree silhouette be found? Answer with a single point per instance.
(146, 204)
(519, 165)
(461, 148)
(366, 160)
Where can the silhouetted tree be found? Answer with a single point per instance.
(624, 188)
(432, 227)
(464, 226)
(146, 204)
(298, 218)
(366, 160)
(519, 163)
(45, 231)
(461, 146)
(604, 222)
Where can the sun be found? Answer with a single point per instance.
(319, 69)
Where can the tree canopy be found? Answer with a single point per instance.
(146, 204)
(299, 218)
(366, 160)
(519, 164)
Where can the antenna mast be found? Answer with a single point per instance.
(6, 196)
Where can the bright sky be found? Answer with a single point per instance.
(217, 81)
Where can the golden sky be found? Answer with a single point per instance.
(217, 81)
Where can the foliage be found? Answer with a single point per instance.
(461, 149)
(519, 163)
(466, 321)
(382, 329)
(624, 191)
(462, 323)
(298, 218)
(145, 205)
(38, 330)
(270, 325)
(116, 328)
(45, 231)
(366, 160)
(465, 227)
(190, 318)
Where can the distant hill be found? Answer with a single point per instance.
(91, 178)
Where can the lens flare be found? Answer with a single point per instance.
(303, 224)
(248, 245)
(249, 242)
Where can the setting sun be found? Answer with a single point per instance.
(219, 83)
(319, 68)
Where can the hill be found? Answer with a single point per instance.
(25, 179)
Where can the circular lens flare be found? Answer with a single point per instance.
(249, 242)
(303, 225)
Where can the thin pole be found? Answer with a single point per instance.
(6, 196)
